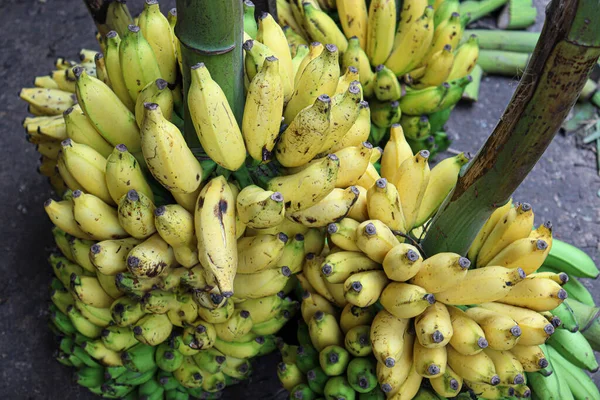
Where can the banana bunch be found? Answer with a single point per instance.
(408, 59)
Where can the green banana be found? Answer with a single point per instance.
(575, 348)
(571, 260)
(567, 316)
(139, 358)
(362, 374)
(580, 384)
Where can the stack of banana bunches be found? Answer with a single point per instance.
(175, 271)
(408, 59)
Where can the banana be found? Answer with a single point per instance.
(81, 324)
(324, 331)
(136, 214)
(369, 178)
(446, 33)
(154, 92)
(176, 226)
(392, 378)
(302, 52)
(396, 151)
(354, 161)
(359, 132)
(307, 357)
(442, 179)
(189, 374)
(199, 336)
(98, 351)
(315, 49)
(124, 173)
(259, 252)
(437, 69)
(322, 28)
(429, 362)
(359, 211)
(424, 101)
(478, 368)
(352, 316)
(416, 128)
(89, 377)
(570, 259)
(219, 134)
(106, 112)
(386, 86)
(97, 315)
(100, 72)
(441, 272)
(46, 82)
(139, 358)
(343, 234)
(47, 101)
(535, 294)
(338, 387)
(293, 254)
(338, 267)
(501, 332)
(260, 209)
(98, 219)
(303, 138)
(335, 206)
(380, 30)
(567, 316)
(289, 375)
(272, 36)
(151, 258)
(486, 229)
(113, 69)
(434, 326)
(449, 384)
(580, 384)
(62, 241)
(384, 114)
(261, 284)
(404, 300)
(286, 17)
(535, 329)
(468, 337)
(383, 203)
(312, 272)
(313, 302)
(139, 65)
(402, 262)
(364, 288)
(126, 311)
(465, 58)
(215, 230)
(337, 292)
(117, 338)
(411, 178)
(334, 360)
(216, 315)
(412, 40)
(516, 224)
(344, 113)
(80, 130)
(159, 301)
(309, 186)
(79, 250)
(110, 256)
(575, 348)
(481, 285)
(239, 324)
(410, 387)
(509, 369)
(294, 41)
(263, 110)
(375, 239)
(320, 77)
(532, 358)
(361, 375)
(157, 31)
(185, 311)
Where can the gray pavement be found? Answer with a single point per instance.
(563, 187)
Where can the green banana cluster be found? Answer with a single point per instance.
(408, 58)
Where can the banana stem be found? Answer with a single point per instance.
(471, 92)
(98, 11)
(588, 319)
(212, 32)
(568, 48)
(517, 14)
(479, 9)
(498, 62)
(490, 39)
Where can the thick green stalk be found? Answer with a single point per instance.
(498, 62)
(568, 48)
(98, 9)
(471, 92)
(212, 32)
(518, 14)
(495, 39)
(480, 8)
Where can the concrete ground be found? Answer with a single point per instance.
(563, 187)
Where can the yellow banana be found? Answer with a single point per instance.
(286, 17)
(446, 33)
(343, 234)
(136, 214)
(404, 300)
(482, 285)
(535, 294)
(411, 180)
(434, 326)
(364, 288)
(304, 137)
(359, 132)
(261, 284)
(429, 362)
(410, 387)
(113, 69)
(150, 258)
(260, 209)
(88, 167)
(532, 358)
(396, 151)
(477, 368)
(392, 377)
(176, 226)
(215, 125)
(239, 324)
(156, 29)
(88, 290)
(154, 92)
(359, 211)
(320, 77)
(309, 186)
(111, 118)
(441, 272)
(380, 30)
(526, 253)
(465, 58)
(375, 239)
(343, 116)
(486, 229)
(110, 256)
(442, 179)
(383, 202)
(501, 331)
(98, 219)
(263, 110)
(139, 65)
(272, 36)
(354, 161)
(314, 50)
(386, 86)
(217, 315)
(301, 55)
(516, 224)
(448, 384)
(123, 173)
(352, 316)
(321, 27)
(80, 129)
(166, 153)
(259, 252)
(355, 56)
(402, 262)
(437, 69)
(354, 18)
(214, 223)
(509, 369)
(339, 266)
(47, 101)
(388, 338)
(325, 331)
(468, 337)
(332, 207)
(312, 272)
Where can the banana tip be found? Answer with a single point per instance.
(390, 362)
(495, 380)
